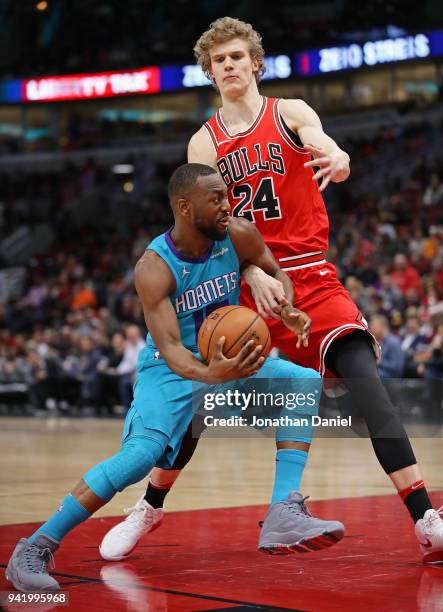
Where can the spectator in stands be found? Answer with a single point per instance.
(36, 294)
(433, 366)
(412, 298)
(108, 374)
(390, 294)
(84, 296)
(391, 364)
(434, 191)
(396, 322)
(36, 378)
(63, 343)
(356, 291)
(374, 304)
(413, 340)
(433, 298)
(12, 370)
(127, 367)
(81, 367)
(404, 275)
(125, 307)
(110, 323)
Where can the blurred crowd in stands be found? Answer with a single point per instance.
(82, 132)
(79, 199)
(70, 340)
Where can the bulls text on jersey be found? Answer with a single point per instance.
(240, 164)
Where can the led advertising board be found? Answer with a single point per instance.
(91, 86)
(368, 54)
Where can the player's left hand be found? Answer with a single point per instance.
(298, 322)
(331, 166)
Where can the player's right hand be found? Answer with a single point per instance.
(246, 363)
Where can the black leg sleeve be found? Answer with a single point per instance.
(352, 358)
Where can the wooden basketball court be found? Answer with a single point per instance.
(204, 556)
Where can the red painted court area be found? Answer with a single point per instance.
(207, 560)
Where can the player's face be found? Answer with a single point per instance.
(232, 67)
(211, 212)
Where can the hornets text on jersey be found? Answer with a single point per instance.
(202, 285)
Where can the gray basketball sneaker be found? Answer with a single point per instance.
(28, 567)
(289, 527)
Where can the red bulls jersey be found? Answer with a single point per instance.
(268, 185)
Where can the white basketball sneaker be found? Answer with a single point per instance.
(121, 540)
(429, 532)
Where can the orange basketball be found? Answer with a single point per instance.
(239, 325)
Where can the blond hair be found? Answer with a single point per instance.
(223, 30)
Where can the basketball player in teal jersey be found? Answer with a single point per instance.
(184, 273)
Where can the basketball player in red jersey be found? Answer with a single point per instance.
(265, 150)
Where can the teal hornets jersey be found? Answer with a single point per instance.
(202, 285)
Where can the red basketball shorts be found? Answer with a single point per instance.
(319, 293)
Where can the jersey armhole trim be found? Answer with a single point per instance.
(212, 136)
(283, 129)
(173, 272)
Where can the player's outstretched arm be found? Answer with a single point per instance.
(154, 283)
(332, 163)
(271, 288)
